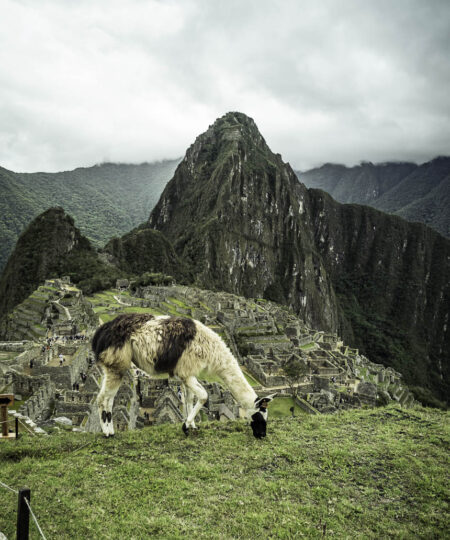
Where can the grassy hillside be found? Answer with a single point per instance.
(362, 474)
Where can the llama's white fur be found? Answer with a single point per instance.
(206, 352)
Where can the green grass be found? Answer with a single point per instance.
(362, 474)
(170, 309)
(8, 355)
(106, 306)
(178, 302)
(279, 408)
(251, 380)
(308, 346)
(15, 407)
(204, 376)
(136, 309)
(106, 317)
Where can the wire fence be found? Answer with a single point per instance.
(28, 428)
(23, 424)
(27, 502)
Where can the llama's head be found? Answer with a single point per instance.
(259, 416)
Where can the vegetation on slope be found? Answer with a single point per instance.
(369, 474)
(392, 282)
(415, 192)
(106, 200)
(146, 250)
(52, 247)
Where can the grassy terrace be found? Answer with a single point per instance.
(372, 474)
(307, 346)
(7, 355)
(204, 376)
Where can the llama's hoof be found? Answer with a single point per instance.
(185, 429)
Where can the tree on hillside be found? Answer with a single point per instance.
(295, 370)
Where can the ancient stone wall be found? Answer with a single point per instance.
(39, 405)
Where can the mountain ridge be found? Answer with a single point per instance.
(255, 230)
(414, 192)
(51, 246)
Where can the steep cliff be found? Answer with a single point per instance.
(235, 215)
(392, 281)
(414, 192)
(238, 217)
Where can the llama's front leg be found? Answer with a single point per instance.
(188, 405)
(110, 386)
(197, 390)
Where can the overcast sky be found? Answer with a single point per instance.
(86, 81)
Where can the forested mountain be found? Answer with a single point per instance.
(51, 246)
(415, 192)
(105, 200)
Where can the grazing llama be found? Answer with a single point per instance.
(177, 346)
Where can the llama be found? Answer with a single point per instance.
(176, 346)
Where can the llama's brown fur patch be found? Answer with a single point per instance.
(174, 334)
(117, 332)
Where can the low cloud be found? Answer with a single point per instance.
(132, 81)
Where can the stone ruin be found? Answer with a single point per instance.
(262, 335)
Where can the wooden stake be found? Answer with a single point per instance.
(23, 514)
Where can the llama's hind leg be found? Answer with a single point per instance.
(197, 390)
(110, 386)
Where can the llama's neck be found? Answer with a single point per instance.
(237, 384)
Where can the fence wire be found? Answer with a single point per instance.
(30, 430)
(27, 502)
(10, 488)
(34, 517)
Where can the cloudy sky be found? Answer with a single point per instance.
(86, 81)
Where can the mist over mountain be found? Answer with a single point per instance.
(414, 192)
(106, 200)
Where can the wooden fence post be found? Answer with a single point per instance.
(23, 514)
(5, 401)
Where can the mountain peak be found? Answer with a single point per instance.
(231, 134)
(230, 201)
